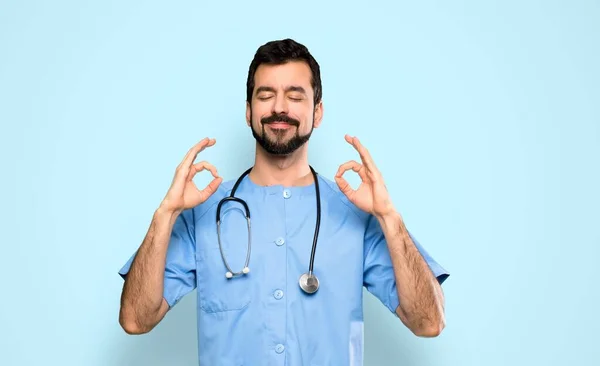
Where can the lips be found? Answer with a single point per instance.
(280, 120)
(279, 124)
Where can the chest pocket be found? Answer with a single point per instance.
(216, 292)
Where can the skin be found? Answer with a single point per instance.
(142, 302)
(421, 306)
(283, 90)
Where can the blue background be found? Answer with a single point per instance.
(484, 117)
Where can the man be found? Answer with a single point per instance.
(261, 315)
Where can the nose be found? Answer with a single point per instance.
(280, 106)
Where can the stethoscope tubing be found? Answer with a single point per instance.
(308, 281)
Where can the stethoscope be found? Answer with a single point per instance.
(308, 281)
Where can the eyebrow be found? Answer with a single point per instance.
(292, 88)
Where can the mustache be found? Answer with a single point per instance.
(280, 118)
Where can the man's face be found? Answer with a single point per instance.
(281, 113)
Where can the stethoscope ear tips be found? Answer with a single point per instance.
(246, 270)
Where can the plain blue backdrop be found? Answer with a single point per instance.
(484, 117)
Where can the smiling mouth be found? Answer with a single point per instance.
(279, 124)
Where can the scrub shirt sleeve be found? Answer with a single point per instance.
(180, 266)
(378, 277)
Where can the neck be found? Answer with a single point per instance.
(288, 170)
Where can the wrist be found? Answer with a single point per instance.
(391, 221)
(389, 216)
(167, 213)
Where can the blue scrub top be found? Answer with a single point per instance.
(264, 318)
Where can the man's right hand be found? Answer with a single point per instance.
(183, 193)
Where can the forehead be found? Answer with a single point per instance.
(293, 73)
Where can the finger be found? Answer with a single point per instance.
(203, 165)
(213, 185)
(362, 151)
(211, 188)
(365, 156)
(356, 167)
(195, 150)
(345, 187)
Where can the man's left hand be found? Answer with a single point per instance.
(372, 195)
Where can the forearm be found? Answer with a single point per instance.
(142, 304)
(421, 298)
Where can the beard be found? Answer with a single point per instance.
(278, 145)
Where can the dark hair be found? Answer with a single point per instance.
(280, 52)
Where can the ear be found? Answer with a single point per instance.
(248, 113)
(318, 114)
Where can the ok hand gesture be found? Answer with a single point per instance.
(183, 193)
(372, 195)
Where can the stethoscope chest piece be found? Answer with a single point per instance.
(309, 283)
